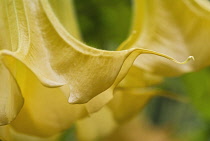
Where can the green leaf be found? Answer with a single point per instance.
(198, 88)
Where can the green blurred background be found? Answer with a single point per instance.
(104, 24)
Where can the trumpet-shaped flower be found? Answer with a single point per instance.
(42, 62)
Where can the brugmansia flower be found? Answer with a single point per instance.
(42, 62)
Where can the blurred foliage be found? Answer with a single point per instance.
(198, 89)
(69, 135)
(99, 22)
(197, 85)
(190, 119)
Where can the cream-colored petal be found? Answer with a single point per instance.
(177, 28)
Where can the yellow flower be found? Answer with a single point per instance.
(42, 63)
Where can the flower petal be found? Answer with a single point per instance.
(57, 58)
(11, 100)
(159, 26)
(46, 111)
(138, 78)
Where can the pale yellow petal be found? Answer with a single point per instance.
(8, 26)
(138, 78)
(96, 103)
(177, 28)
(11, 100)
(46, 111)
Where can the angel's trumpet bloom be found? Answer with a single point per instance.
(41, 61)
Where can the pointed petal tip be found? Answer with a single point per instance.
(147, 51)
(73, 99)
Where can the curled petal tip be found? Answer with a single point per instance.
(191, 58)
(187, 60)
(146, 51)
